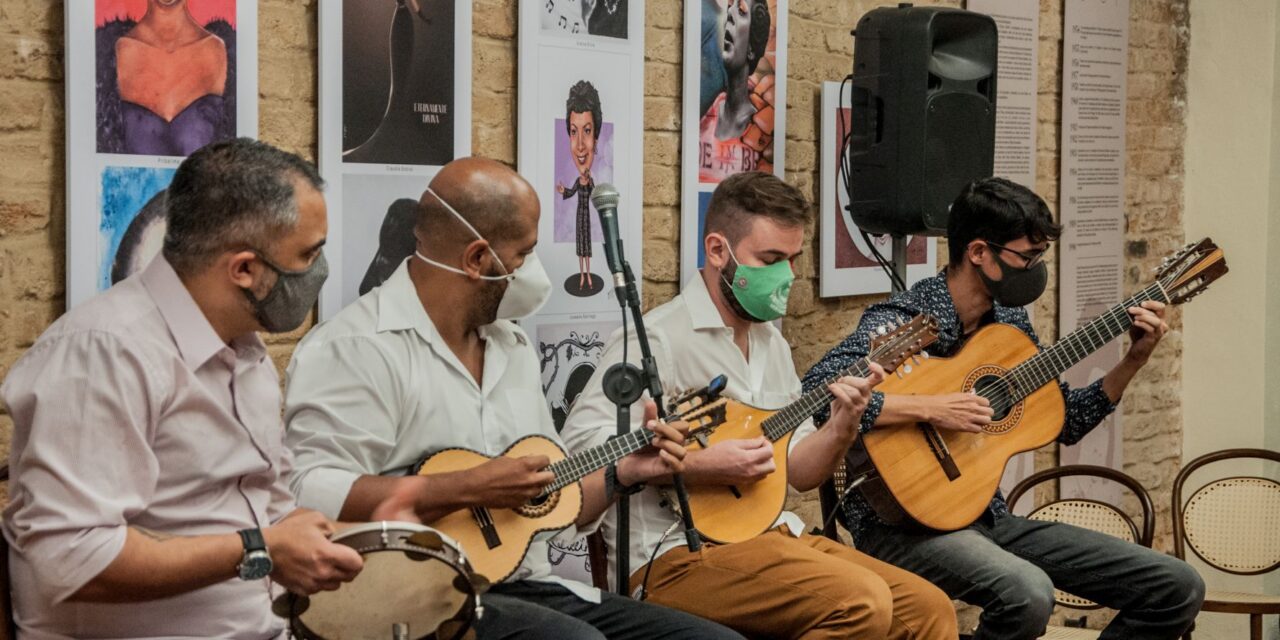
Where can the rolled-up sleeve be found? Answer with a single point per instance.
(84, 407)
(342, 413)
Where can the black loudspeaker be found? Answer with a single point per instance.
(923, 115)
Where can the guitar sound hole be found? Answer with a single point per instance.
(539, 506)
(999, 392)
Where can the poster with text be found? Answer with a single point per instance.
(395, 106)
(1095, 45)
(581, 125)
(734, 103)
(148, 83)
(848, 264)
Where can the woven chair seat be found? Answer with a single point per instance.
(1263, 603)
(1069, 633)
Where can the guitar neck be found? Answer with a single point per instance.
(793, 415)
(1079, 344)
(582, 464)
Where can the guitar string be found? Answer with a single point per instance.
(1048, 364)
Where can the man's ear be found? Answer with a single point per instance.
(243, 269)
(716, 250)
(976, 252)
(476, 258)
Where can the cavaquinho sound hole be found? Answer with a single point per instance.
(540, 506)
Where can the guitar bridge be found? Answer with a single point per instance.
(940, 451)
(487, 528)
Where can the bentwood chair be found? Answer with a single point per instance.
(1233, 525)
(1089, 514)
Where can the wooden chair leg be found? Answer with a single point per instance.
(1255, 626)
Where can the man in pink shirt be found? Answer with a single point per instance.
(149, 492)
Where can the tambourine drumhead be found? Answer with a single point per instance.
(413, 575)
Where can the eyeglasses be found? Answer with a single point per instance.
(1031, 259)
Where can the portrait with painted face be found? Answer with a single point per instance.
(737, 77)
(584, 158)
(166, 75)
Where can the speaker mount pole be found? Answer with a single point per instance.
(899, 264)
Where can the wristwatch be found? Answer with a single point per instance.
(613, 487)
(255, 564)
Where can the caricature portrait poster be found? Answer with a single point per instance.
(148, 83)
(580, 125)
(395, 106)
(734, 102)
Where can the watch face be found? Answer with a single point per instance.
(256, 565)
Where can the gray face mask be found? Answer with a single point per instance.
(291, 297)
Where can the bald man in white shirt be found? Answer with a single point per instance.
(431, 361)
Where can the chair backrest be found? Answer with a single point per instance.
(1090, 514)
(1230, 523)
(829, 499)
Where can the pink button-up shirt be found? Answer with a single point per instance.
(130, 411)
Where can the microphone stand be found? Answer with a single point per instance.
(624, 383)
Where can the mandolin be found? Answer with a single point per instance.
(945, 479)
(735, 513)
(496, 540)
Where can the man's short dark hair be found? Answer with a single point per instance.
(583, 98)
(758, 38)
(229, 195)
(1000, 211)
(742, 197)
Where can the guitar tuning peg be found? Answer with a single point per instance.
(881, 330)
(906, 368)
(898, 372)
(916, 359)
(924, 354)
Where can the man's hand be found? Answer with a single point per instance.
(507, 483)
(850, 401)
(305, 560)
(665, 454)
(1147, 330)
(959, 411)
(736, 462)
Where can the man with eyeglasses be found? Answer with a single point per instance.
(997, 235)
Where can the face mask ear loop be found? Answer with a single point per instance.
(506, 273)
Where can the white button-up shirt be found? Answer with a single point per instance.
(376, 389)
(692, 345)
(131, 411)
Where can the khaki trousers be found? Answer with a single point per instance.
(780, 586)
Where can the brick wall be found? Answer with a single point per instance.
(32, 182)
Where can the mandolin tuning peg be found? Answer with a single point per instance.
(881, 330)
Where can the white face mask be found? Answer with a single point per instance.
(528, 288)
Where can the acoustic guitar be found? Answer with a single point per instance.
(735, 513)
(496, 540)
(945, 479)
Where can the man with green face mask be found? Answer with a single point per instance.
(768, 586)
(998, 234)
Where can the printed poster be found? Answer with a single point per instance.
(395, 106)
(148, 83)
(734, 106)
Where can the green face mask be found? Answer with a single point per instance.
(760, 292)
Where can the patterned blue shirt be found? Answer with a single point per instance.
(1086, 407)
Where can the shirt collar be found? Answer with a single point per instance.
(702, 309)
(400, 309)
(192, 333)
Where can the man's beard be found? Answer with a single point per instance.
(488, 298)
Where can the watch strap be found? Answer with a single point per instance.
(253, 540)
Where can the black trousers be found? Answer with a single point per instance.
(538, 610)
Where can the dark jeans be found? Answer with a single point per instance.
(540, 610)
(1009, 566)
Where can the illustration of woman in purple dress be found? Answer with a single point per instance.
(583, 121)
(165, 83)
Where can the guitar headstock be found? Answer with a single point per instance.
(893, 346)
(1185, 274)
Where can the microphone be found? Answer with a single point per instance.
(605, 199)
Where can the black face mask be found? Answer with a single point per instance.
(1016, 287)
